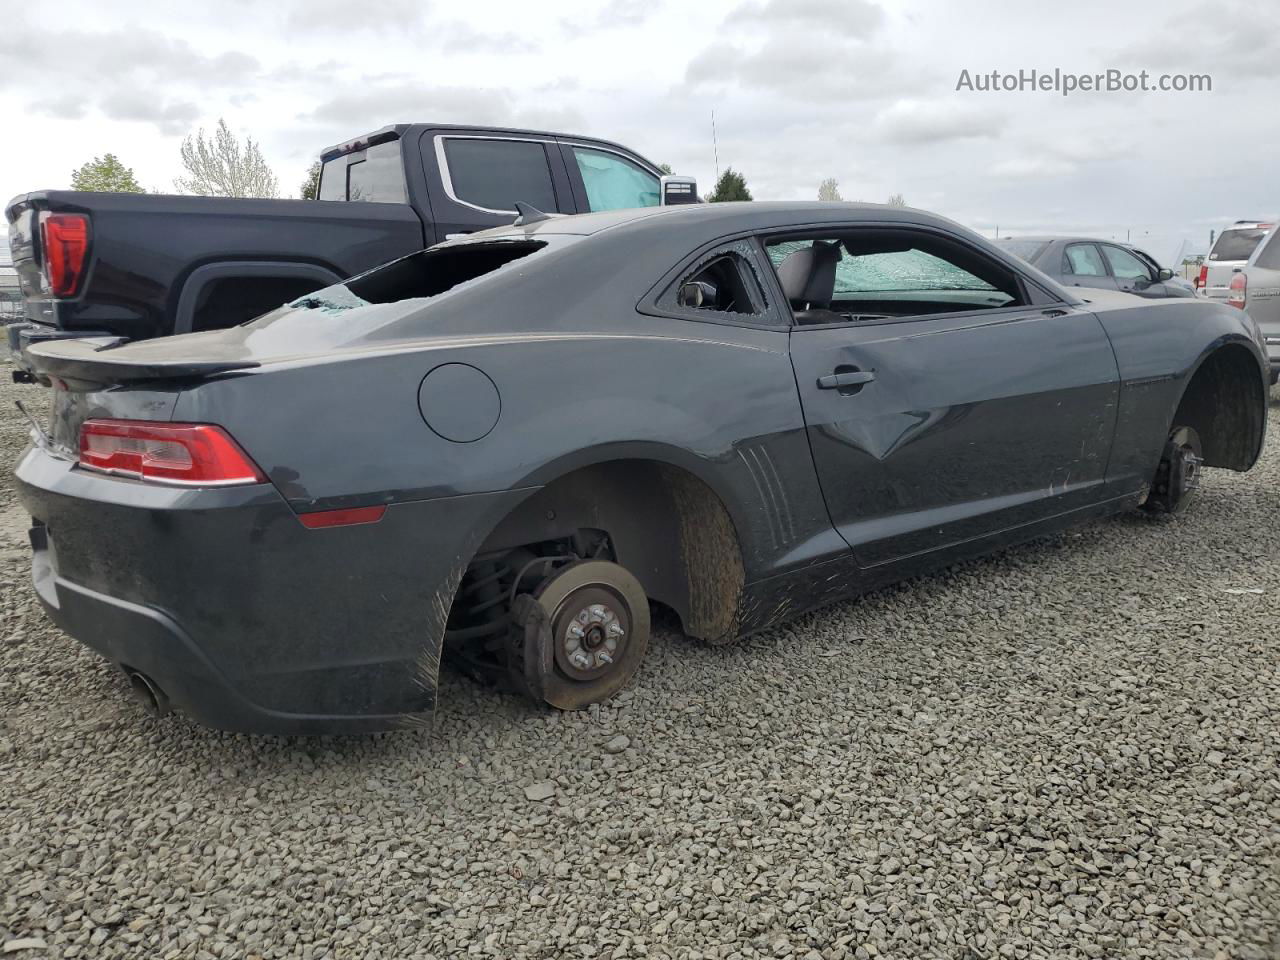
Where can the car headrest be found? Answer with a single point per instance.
(808, 275)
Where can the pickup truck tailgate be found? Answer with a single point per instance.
(23, 249)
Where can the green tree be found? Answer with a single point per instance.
(829, 189)
(311, 186)
(731, 186)
(221, 166)
(105, 174)
(666, 169)
(897, 200)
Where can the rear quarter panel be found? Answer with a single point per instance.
(716, 400)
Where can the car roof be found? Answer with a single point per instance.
(1072, 238)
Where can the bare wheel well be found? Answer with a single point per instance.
(1224, 404)
(659, 521)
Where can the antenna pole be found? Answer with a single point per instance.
(715, 147)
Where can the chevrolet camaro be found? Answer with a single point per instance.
(506, 448)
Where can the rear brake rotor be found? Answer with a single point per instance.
(580, 636)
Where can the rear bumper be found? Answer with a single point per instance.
(247, 620)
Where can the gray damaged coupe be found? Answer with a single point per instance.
(505, 448)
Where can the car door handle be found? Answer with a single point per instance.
(845, 378)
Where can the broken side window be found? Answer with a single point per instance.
(877, 274)
(723, 285)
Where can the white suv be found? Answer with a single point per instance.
(1230, 253)
(1255, 287)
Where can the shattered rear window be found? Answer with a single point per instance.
(420, 276)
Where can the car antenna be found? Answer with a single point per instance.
(528, 214)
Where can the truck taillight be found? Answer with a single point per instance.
(1238, 292)
(1202, 279)
(64, 240)
(187, 454)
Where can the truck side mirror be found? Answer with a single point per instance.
(676, 190)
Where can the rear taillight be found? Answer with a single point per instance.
(1202, 279)
(1238, 292)
(188, 454)
(64, 240)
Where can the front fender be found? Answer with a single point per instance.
(1159, 347)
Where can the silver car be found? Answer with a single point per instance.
(1231, 251)
(1100, 264)
(1255, 287)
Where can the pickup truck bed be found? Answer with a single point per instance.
(141, 266)
(154, 259)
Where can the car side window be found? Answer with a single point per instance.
(722, 285)
(876, 274)
(493, 174)
(1125, 265)
(614, 182)
(1269, 256)
(1083, 260)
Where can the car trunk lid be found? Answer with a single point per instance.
(92, 382)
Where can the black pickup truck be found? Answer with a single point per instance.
(139, 266)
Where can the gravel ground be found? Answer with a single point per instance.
(1070, 750)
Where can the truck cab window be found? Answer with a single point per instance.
(333, 179)
(374, 175)
(377, 176)
(613, 182)
(494, 174)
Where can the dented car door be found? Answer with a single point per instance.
(929, 431)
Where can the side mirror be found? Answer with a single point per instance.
(1164, 274)
(674, 190)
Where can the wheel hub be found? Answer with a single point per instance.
(1178, 475)
(590, 630)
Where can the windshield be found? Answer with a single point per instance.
(1237, 244)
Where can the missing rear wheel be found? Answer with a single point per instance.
(580, 636)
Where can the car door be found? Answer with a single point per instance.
(1083, 266)
(959, 410)
(1131, 274)
(475, 179)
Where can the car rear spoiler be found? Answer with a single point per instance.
(90, 360)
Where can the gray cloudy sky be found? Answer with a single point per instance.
(860, 90)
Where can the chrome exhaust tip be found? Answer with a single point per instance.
(147, 693)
